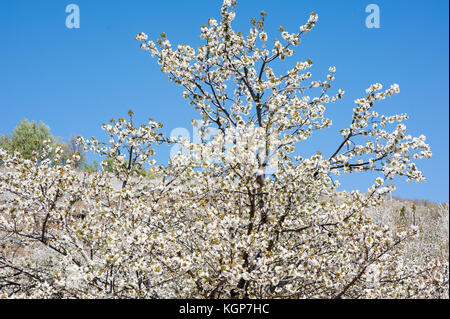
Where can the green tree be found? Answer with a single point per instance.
(5, 142)
(109, 165)
(71, 148)
(92, 168)
(27, 137)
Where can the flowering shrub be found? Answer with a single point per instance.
(236, 216)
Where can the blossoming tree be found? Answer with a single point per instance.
(239, 215)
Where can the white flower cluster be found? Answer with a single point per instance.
(310, 23)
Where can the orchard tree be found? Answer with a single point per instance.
(69, 234)
(239, 215)
(290, 233)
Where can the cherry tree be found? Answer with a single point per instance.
(238, 215)
(290, 233)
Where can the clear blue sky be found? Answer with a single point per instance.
(75, 79)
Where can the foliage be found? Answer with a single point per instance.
(91, 168)
(29, 137)
(26, 138)
(71, 148)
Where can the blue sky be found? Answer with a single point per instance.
(75, 79)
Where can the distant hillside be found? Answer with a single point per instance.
(431, 218)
